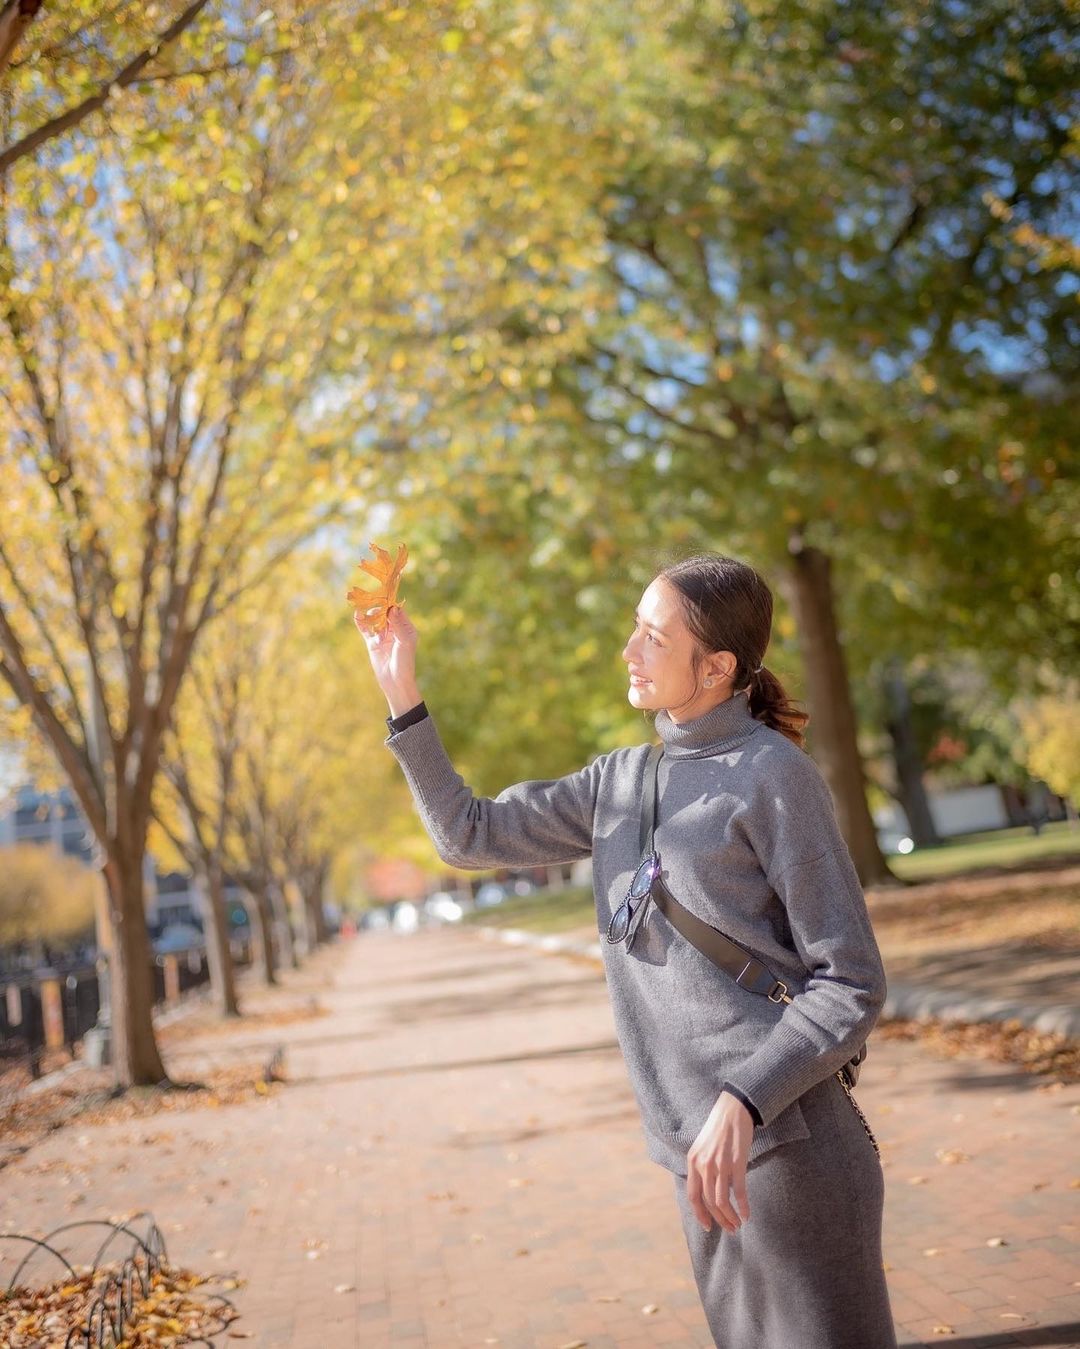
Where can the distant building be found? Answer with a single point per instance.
(977, 809)
(30, 816)
(56, 819)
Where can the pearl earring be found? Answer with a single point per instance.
(708, 683)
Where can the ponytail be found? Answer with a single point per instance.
(770, 704)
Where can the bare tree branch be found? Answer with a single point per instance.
(196, 72)
(15, 18)
(73, 757)
(47, 636)
(689, 427)
(56, 126)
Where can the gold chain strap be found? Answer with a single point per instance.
(786, 997)
(854, 1102)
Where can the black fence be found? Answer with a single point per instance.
(69, 1001)
(53, 1009)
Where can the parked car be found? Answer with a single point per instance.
(179, 937)
(442, 907)
(406, 916)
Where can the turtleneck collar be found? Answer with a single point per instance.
(723, 727)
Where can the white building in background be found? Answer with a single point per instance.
(56, 820)
(30, 816)
(957, 810)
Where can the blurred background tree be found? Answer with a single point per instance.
(46, 899)
(1051, 738)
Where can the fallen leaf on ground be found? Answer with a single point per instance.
(90, 1098)
(1044, 1052)
(180, 1308)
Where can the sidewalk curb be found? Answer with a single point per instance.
(916, 1002)
(922, 1003)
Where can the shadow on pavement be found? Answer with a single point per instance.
(520, 998)
(991, 1081)
(488, 1138)
(268, 1046)
(449, 1065)
(1060, 1336)
(1034, 972)
(477, 970)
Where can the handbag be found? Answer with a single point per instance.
(747, 971)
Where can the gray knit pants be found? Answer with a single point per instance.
(806, 1269)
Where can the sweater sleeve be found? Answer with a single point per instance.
(810, 869)
(530, 823)
(407, 718)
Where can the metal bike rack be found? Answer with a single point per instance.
(115, 1298)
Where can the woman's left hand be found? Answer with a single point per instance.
(717, 1164)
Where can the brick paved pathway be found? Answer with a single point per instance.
(460, 1153)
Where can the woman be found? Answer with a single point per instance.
(778, 1182)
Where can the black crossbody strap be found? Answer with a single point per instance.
(648, 798)
(747, 971)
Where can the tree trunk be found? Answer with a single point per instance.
(809, 587)
(216, 926)
(312, 893)
(260, 920)
(135, 1053)
(909, 769)
(311, 933)
(296, 903)
(283, 929)
(1015, 809)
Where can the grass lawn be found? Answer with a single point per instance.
(1001, 848)
(546, 911)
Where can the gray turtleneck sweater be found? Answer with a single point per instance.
(748, 841)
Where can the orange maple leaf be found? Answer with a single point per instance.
(374, 605)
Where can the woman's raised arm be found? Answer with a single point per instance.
(536, 822)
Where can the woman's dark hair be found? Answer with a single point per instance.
(728, 607)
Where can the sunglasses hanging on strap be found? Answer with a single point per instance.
(747, 971)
